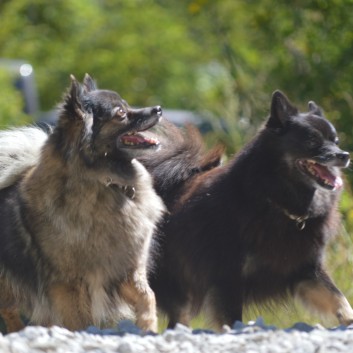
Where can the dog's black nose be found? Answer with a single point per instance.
(157, 110)
(343, 156)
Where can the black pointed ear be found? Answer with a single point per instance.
(281, 110)
(73, 100)
(315, 109)
(89, 84)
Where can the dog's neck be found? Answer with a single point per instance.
(300, 221)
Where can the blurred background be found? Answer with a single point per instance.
(214, 62)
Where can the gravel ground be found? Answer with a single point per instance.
(127, 338)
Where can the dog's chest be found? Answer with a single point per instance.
(107, 231)
(283, 241)
(286, 249)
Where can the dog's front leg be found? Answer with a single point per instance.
(70, 306)
(322, 296)
(138, 293)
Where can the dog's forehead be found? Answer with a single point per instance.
(102, 102)
(106, 98)
(106, 95)
(321, 124)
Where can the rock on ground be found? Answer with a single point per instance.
(127, 338)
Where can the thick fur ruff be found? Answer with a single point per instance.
(254, 230)
(76, 226)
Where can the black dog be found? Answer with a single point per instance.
(254, 230)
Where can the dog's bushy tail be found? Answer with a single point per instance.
(182, 155)
(20, 149)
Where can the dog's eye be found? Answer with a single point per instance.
(119, 112)
(337, 141)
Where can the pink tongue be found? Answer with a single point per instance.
(324, 173)
(135, 139)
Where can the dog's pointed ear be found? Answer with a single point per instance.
(315, 109)
(281, 110)
(73, 100)
(75, 88)
(89, 83)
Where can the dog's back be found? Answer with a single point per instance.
(183, 156)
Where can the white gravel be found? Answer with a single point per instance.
(248, 338)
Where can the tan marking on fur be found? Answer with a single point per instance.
(138, 294)
(12, 319)
(325, 300)
(70, 306)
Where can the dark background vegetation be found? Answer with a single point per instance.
(219, 58)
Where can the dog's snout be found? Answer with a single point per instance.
(343, 156)
(157, 110)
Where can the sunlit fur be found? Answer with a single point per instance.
(73, 242)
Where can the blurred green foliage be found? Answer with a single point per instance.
(11, 102)
(221, 58)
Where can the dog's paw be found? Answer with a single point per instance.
(148, 323)
(345, 316)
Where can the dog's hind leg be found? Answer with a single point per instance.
(138, 293)
(322, 296)
(180, 313)
(8, 310)
(224, 306)
(12, 319)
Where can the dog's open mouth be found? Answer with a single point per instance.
(320, 173)
(138, 140)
